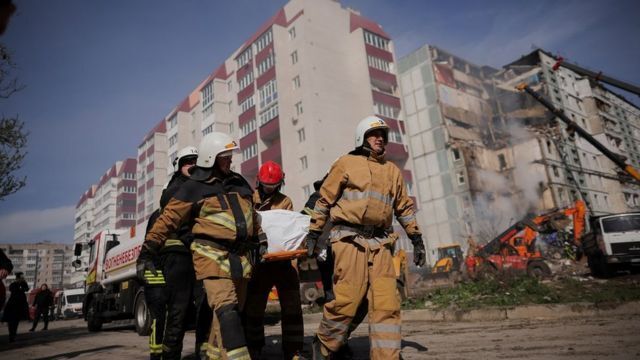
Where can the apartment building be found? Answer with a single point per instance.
(293, 93)
(486, 154)
(151, 173)
(41, 263)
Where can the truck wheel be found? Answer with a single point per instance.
(94, 322)
(538, 269)
(142, 316)
(599, 267)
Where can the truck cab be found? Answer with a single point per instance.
(613, 243)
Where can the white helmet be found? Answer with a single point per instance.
(189, 151)
(368, 124)
(212, 145)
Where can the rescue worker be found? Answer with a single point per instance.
(216, 203)
(282, 274)
(360, 195)
(168, 294)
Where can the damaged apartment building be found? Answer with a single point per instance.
(485, 155)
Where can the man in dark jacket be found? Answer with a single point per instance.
(42, 302)
(17, 307)
(5, 269)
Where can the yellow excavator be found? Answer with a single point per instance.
(449, 259)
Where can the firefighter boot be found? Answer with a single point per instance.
(319, 351)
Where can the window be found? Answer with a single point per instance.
(173, 139)
(376, 40)
(248, 127)
(502, 161)
(296, 82)
(394, 136)
(266, 64)
(250, 152)
(173, 121)
(246, 104)
(292, 33)
(307, 191)
(264, 40)
(303, 163)
(207, 130)
(268, 93)
(244, 58)
(378, 63)
(299, 109)
(460, 177)
(129, 189)
(171, 158)
(386, 110)
(556, 173)
(246, 80)
(301, 136)
(207, 95)
(294, 57)
(456, 154)
(268, 114)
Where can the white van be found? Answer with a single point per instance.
(70, 303)
(613, 244)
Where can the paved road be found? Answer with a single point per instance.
(616, 337)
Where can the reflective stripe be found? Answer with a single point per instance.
(307, 211)
(221, 258)
(213, 353)
(369, 194)
(173, 242)
(239, 354)
(385, 344)
(333, 329)
(321, 210)
(227, 220)
(385, 328)
(153, 347)
(404, 220)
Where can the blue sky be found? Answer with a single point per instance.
(100, 74)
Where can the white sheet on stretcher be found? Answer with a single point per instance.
(285, 229)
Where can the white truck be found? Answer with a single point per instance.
(68, 303)
(112, 289)
(613, 244)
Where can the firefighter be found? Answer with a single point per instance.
(282, 274)
(168, 293)
(360, 195)
(216, 203)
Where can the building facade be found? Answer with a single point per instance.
(151, 172)
(41, 263)
(486, 154)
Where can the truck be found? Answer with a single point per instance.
(613, 244)
(68, 303)
(112, 290)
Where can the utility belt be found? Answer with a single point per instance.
(366, 231)
(233, 247)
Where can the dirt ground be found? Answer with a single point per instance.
(582, 338)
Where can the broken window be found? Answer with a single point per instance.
(460, 176)
(549, 151)
(456, 154)
(502, 161)
(556, 173)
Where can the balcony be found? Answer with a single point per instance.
(270, 131)
(250, 138)
(386, 99)
(406, 175)
(249, 168)
(245, 93)
(273, 153)
(383, 79)
(246, 116)
(264, 78)
(396, 153)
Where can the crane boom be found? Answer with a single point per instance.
(598, 76)
(572, 125)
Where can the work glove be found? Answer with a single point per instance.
(419, 253)
(312, 243)
(147, 259)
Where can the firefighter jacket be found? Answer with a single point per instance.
(223, 222)
(183, 235)
(364, 189)
(276, 200)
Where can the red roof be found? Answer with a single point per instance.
(359, 21)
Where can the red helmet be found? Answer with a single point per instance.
(270, 174)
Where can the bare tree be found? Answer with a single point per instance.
(13, 137)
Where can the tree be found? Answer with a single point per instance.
(13, 137)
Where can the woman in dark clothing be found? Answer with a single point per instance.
(17, 307)
(42, 302)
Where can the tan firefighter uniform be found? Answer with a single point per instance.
(225, 228)
(282, 275)
(360, 195)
